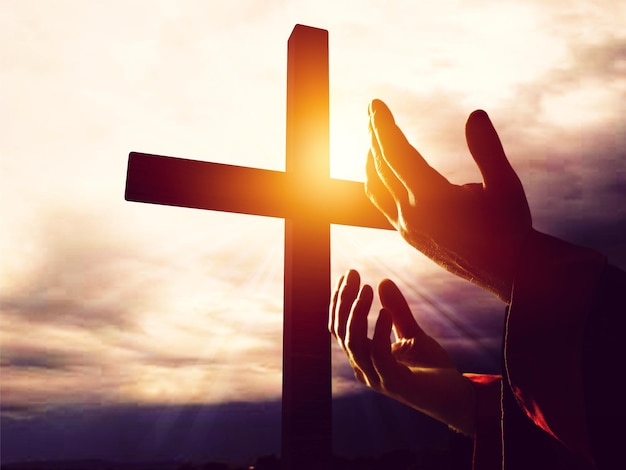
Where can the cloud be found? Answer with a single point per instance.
(566, 132)
(189, 305)
(94, 315)
(183, 320)
(72, 276)
(38, 361)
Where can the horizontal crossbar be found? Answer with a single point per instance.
(213, 186)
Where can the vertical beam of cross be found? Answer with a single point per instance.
(309, 201)
(307, 404)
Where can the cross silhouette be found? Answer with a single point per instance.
(309, 201)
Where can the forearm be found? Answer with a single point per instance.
(444, 395)
(487, 419)
(461, 415)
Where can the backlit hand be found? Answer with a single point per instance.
(476, 230)
(415, 369)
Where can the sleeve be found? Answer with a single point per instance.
(603, 366)
(488, 430)
(553, 293)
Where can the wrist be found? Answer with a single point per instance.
(519, 252)
(544, 259)
(465, 421)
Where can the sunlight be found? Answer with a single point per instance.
(219, 325)
(349, 142)
(588, 105)
(438, 299)
(345, 162)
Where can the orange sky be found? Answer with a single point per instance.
(109, 301)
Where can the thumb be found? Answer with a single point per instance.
(485, 146)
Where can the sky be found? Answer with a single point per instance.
(106, 302)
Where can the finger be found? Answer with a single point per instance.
(357, 345)
(381, 341)
(386, 175)
(378, 193)
(486, 149)
(383, 361)
(346, 297)
(405, 161)
(356, 333)
(333, 306)
(391, 298)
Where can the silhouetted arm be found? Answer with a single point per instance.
(555, 301)
(415, 369)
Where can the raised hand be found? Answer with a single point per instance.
(476, 231)
(415, 369)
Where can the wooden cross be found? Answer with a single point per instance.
(309, 201)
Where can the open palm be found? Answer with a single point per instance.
(475, 230)
(415, 369)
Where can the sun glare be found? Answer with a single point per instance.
(348, 144)
(346, 162)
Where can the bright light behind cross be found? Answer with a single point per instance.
(348, 141)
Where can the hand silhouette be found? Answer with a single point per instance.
(415, 369)
(477, 230)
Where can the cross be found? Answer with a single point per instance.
(309, 201)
